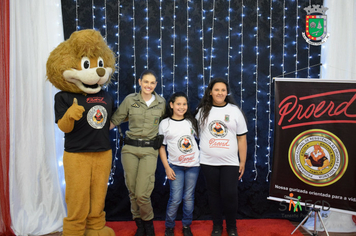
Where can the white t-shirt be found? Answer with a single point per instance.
(149, 102)
(181, 145)
(218, 141)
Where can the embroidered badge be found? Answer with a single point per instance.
(135, 105)
(156, 121)
(227, 118)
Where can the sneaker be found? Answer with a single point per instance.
(232, 232)
(217, 230)
(187, 231)
(169, 232)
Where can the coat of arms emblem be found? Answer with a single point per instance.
(315, 25)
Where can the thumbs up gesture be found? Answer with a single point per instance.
(75, 111)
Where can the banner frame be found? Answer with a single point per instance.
(279, 199)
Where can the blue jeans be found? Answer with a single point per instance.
(182, 188)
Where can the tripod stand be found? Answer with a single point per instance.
(316, 213)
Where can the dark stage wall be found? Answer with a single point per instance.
(253, 41)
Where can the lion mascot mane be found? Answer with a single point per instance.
(79, 67)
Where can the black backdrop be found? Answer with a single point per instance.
(272, 47)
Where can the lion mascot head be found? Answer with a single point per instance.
(81, 64)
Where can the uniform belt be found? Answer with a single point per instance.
(139, 142)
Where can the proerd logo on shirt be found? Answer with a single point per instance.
(185, 144)
(97, 116)
(219, 143)
(186, 158)
(218, 129)
(96, 100)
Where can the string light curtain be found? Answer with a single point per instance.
(246, 42)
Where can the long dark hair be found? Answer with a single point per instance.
(206, 103)
(188, 115)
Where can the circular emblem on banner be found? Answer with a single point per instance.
(218, 129)
(185, 144)
(97, 116)
(318, 157)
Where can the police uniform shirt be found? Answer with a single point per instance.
(143, 120)
(218, 141)
(91, 132)
(181, 144)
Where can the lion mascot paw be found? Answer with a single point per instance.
(79, 67)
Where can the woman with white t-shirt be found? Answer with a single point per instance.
(223, 150)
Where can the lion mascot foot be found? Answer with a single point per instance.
(106, 231)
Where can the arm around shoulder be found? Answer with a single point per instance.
(121, 114)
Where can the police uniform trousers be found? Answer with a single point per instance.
(139, 164)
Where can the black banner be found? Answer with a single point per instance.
(314, 159)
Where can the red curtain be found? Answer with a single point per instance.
(5, 219)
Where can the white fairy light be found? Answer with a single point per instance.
(257, 91)
(160, 44)
(146, 35)
(212, 42)
(134, 42)
(228, 41)
(202, 44)
(187, 44)
(242, 53)
(76, 16)
(117, 83)
(105, 22)
(93, 13)
(284, 36)
(174, 44)
(296, 39)
(268, 163)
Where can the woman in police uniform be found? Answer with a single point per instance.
(139, 154)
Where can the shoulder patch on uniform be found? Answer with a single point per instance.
(156, 121)
(135, 105)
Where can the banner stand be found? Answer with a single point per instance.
(316, 213)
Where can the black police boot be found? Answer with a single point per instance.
(149, 229)
(140, 229)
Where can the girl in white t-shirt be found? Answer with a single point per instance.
(223, 150)
(182, 165)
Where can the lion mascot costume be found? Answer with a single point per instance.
(79, 67)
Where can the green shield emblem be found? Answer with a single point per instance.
(316, 27)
